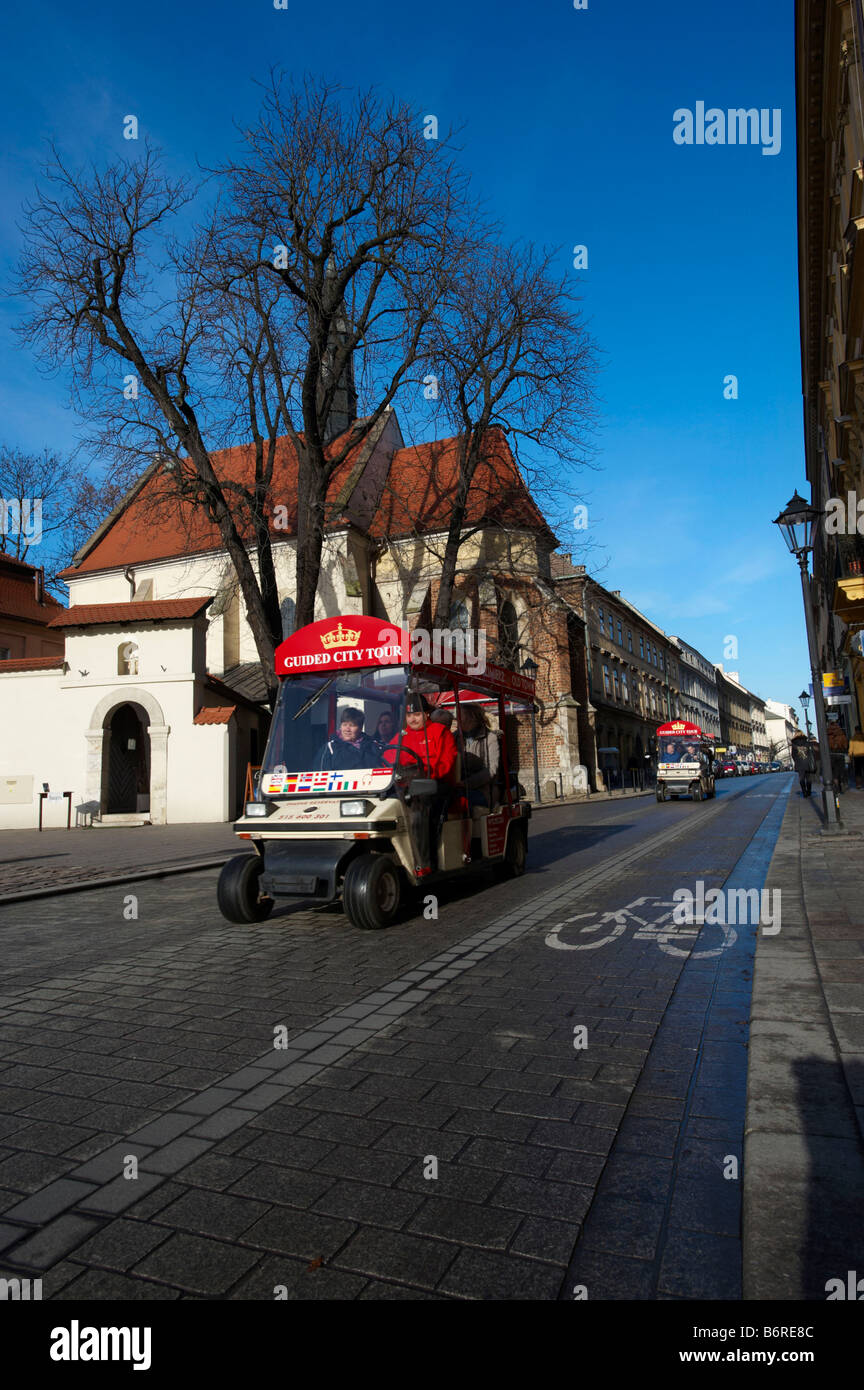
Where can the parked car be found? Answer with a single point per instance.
(775, 767)
(727, 769)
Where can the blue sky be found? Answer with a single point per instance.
(568, 121)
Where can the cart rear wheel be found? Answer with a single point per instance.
(372, 892)
(697, 792)
(661, 793)
(238, 892)
(516, 853)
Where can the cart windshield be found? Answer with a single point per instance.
(678, 749)
(328, 732)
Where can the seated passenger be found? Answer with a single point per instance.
(670, 754)
(384, 730)
(350, 748)
(482, 754)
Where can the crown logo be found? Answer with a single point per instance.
(340, 637)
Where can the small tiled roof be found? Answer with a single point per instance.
(130, 614)
(32, 663)
(232, 692)
(217, 714)
(246, 679)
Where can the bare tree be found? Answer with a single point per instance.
(336, 232)
(510, 353)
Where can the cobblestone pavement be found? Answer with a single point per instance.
(43, 861)
(433, 1126)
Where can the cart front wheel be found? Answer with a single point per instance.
(238, 892)
(372, 892)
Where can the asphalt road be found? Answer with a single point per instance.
(572, 1060)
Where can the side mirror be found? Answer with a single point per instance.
(423, 786)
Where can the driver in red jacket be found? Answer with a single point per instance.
(437, 751)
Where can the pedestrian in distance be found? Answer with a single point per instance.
(803, 763)
(838, 744)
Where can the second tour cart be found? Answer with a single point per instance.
(329, 833)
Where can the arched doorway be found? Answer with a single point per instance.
(126, 782)
(151, 720)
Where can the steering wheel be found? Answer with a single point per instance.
(408, 753)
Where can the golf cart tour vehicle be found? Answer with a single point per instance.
(338, 819)
(685, 761)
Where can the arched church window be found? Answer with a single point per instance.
(509, 652)
(460, 618)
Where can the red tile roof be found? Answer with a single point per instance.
(18, 593)
(218, 714)
(129, 614)
(156, 525)
(418, 495)
(32, 663)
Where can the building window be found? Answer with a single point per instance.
(5, 653)
(620, 635)
(617, 688)
(642, 647)
(460, 618)
(508, 636)
(611, 628)
(629, 640)
(625, 693)
(606, 686)
(600, 616)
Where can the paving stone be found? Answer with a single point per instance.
(212, 1213)
(26, 1172)
(163, 1130)
(466, 1223)
(619, 1227)
(302, 1233)
(395, 1255)
(551, 1241)
(120, 1194)
(120, 1244)
(297, 1281)
(174, 1156)
(194, 1263)
(49, 1201)
(215, 1171)
(99, 1286)
(285, 1186)
(222, 1123)
(561, 1201)
(527, 1159)
(608, 1277)
(367, 1204)
(61, 1235)
(701, 1266)
(110, 1162)
(478, 1274)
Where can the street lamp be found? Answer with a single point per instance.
(805, 700)
(796, 522)
(530, 669)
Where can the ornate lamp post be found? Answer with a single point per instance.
(796, 522)
(805, 700)
(530, 669)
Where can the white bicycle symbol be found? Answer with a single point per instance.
(663, 930)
